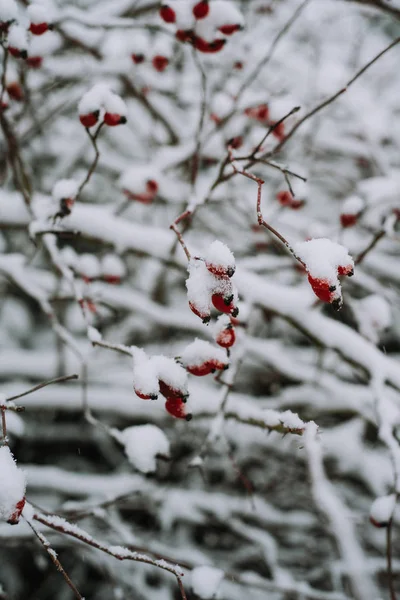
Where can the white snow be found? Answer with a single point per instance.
(8, 11)
(94, 334)
(112, 265)
(353, 205)
(381, 511)
(224, 12)
(205, 581)
(198, 286)
(12, 484)
(373, 315)
(65, 188)
(135, 178)
(142, 445)
(145, 376)
(17, 38)
(69, 257)
(219, 256)
(93, 100)
(199, 352)
(88, 265)
(323, 257)
(171, 373)
(114, 104)
(37, 14)
(220, 324)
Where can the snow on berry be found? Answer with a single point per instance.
(381, 511)
(90, 105)
(198, 289)
(373, 315)
(177, 408)
(139, 183)
(225, 17)
(324, 260)
(205, 581)
(12, 487)
(145, 376)
(201, 358)
(18, 41)
(38, 16)
(8, 13)
(88, 266)
(351, 210)
(112, 268)
(115, 108)
(143, 443)
(220, 260)
(224, 332)
(172, 377)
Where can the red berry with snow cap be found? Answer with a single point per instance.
(176, 407)
(172, 377)
(137, 58)
(145, 396)
(208, 47)
(167, 14)
(220, 260)
(16, 515)
(38, 28)
(34, 62)
(201, 358)
(205, 316)
(90, 119)
(15, 91)
(381, 511)
(229, 29)
(225, 304)
(17, 53)
(201, 9)
(279, 131)
(224, 332)
(12, 488)
(351, 210)
(184, 35)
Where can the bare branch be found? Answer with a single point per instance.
(42, 385)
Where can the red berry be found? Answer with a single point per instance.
(34, 62)
(322, 288)
(236, 142)
(348, 220)
(201, 370)
(152, 186)
(279, 131)
(112, 279)
(167, 14)
(208, 47)
(170, 392)
(284, 198)
(38, 28)
(145, 396)
(160, 63)
(19, 507)
(296, 204)
(137, 58)
(346, 270)
(224, 304)
(176, 407)
(90, 119)
(238, 65)
(184, 35)
(262, 112)
(226, 338)
(201, 9)
(113, 119)
(205, 317)
(215, 118)
(229, 29)
(15, 91)
(17, 53)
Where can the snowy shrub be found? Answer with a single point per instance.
(199, 315)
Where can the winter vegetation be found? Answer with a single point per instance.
(199, 314)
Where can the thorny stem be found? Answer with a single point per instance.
(203, 106)
(93, 138)
(46, 545)
(42, 385)
(179, 235)
(119, 553)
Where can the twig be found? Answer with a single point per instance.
(46, 545)
(62, 526)
(272, 128)
(389, 560)
(3, 75)
(42, 385)
(203, 105)
(179, 235)
(93, 138)
(332, 98)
